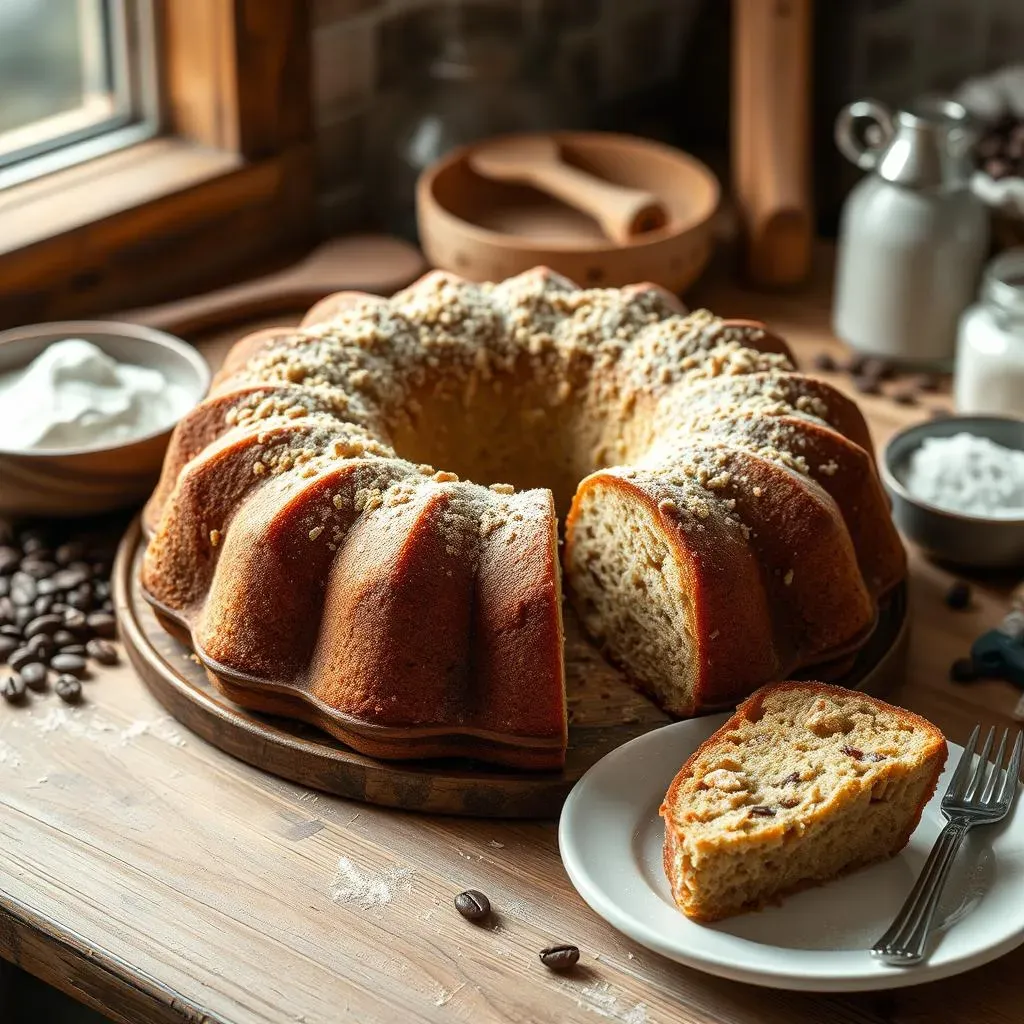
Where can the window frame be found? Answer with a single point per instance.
(134, 117)
(226, 188)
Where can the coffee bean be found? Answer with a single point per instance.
(21, 657)
(825, 362)
(9, 559)
(33, 542)
(45, 624)
(867, 385)
(5, 586)
(904, 396)
(75, 648)
(963, 671)
(23, 616)
(105, 653)
(37, 568)
(64, 637)
(927, 382)
(8, 644)
(75, 620)
(8, 629)
(69, 579)
(34, 676)
(471, 904)
(103, 624)
(43, 605)
(877, 368)
(73, 664)
(24, 589)
(6, 611)
(68, 688)
(958, 597)
(80, 599)
(72, 551)
(12, 687)
(41, 645)
(560, 957)
(101, 588)
(854, 363)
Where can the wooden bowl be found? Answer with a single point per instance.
(100, 477)
(487, 231)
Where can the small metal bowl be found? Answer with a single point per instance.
(99, 477)
(967, 540)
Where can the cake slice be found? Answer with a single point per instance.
(804, 782)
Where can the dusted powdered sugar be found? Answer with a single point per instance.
(969, 474)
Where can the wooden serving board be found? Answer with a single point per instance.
(605, 711)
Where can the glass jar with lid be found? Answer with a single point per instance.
(989, 375)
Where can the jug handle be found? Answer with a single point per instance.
(864, 155)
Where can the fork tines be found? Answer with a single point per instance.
(984, 783)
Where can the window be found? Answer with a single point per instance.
(78, 79)
(149, 149)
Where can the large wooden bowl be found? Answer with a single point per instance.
(487, 230)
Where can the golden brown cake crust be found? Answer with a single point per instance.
(927, 764)
(324, 569)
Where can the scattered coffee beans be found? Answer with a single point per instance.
(473, 905)
(958, 597)
(34, 676)
(99, 650)
(69, 664)
(560, 957)
(68, 688)
(12, 686)
(963, 671)
(21, 657)
(103, 624)
(55, 609)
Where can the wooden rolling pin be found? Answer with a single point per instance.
(365, 263)
(771, 70)
(622, 212)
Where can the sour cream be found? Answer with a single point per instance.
(74, 395)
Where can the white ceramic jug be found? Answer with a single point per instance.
(912, 237)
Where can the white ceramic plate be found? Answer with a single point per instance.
(610, 837)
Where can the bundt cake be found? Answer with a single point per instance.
(803, 782)
(322, 567)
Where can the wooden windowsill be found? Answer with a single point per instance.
(91, 192)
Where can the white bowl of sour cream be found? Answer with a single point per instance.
(86, 411)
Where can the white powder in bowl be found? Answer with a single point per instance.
(968, 474)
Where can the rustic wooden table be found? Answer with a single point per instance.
(155, 879)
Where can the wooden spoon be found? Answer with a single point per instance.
(366, 263)
(536, 160)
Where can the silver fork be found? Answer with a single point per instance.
(973, 798)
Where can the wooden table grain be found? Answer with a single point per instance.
(154, 878)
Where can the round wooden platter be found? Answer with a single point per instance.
(605, 712)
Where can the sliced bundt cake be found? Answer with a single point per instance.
(729, 528)
(804, 782)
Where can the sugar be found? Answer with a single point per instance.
(968, 474)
